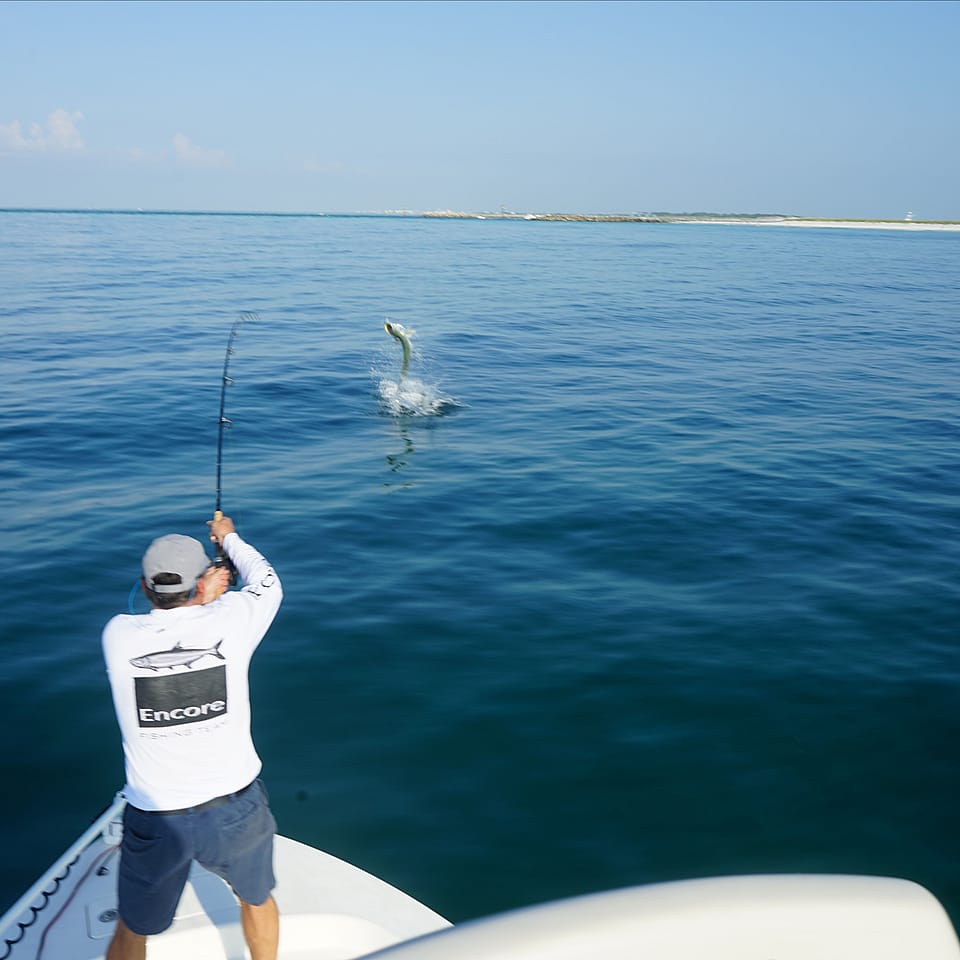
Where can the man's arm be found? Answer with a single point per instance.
(258, 577)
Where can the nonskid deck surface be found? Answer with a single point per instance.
(330, 910)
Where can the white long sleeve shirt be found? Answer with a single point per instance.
(181, 693)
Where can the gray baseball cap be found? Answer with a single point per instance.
(176, 554)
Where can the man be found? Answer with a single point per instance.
(180, 689)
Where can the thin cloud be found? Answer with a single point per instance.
(57, 134)
(188, 153)
(325, 168)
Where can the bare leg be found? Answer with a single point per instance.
(261, 929)
(126, 945)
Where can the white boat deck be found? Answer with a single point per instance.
(330, 910)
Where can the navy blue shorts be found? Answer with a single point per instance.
(233, 839)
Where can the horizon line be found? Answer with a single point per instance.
(650, 216)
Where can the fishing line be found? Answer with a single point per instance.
(133, 596)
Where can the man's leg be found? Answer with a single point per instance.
(126, 945)
(154, 866)
(261, 929)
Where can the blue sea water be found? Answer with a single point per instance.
(647, 570)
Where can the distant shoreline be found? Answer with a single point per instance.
(744, 219)
(756, 220)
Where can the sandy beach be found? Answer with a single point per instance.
(841, 224)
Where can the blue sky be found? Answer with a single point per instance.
(827, 109)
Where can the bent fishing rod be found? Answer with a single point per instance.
(221, 559)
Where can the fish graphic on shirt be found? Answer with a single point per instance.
(177, 657)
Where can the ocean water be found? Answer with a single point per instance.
(647, 570)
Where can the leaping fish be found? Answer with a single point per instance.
(177, 657)
(397, 331)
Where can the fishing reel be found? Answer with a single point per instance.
(222, 560)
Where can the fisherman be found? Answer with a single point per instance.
(179, 678)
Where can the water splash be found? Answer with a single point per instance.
(408, 395)
(412, 397)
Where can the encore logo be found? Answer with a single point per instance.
(178, 698)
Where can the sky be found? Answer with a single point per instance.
(833, 109)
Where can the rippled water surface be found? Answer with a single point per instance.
(647, 569)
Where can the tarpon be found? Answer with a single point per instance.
(396, 330)
(177, 657)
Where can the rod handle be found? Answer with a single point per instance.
(222, 559)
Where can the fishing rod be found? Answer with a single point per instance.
(222, 560)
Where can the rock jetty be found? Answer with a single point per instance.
(568, 217)
(752, 219)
